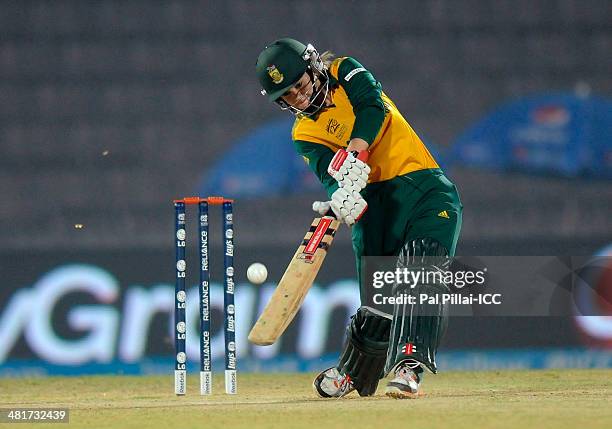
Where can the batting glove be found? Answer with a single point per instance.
(347, 206)
(350, 169)
(321, 207)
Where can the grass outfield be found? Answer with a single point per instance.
(513, 399)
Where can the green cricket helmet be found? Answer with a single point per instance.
(281, 65)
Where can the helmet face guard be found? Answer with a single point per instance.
(317, 99)
(282, 64)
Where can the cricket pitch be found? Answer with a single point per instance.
(502, 399)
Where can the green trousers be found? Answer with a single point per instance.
(417, 205)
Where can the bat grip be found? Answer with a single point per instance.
(330, 213)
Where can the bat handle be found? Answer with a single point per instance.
(330, 213)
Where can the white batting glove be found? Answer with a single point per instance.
(345, 211)
(321, 207)
(350, 169)
(348, 206)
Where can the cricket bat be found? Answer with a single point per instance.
(295, 283)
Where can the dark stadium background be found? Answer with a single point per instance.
(109, 110)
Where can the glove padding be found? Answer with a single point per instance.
(350, 169)
(321, 207)
(347, 206)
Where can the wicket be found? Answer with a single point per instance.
(180, 369)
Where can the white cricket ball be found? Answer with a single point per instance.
(257, 273)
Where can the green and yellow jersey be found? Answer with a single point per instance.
(360, 109)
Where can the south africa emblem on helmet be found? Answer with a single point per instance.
(275, 74)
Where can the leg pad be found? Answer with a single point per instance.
(417, 329)
(365, 352)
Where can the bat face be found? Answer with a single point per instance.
(295, 283)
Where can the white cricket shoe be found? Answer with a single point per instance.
(406, 383)
(331, 384)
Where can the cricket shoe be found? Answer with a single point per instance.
(407, 381)
(331, 384)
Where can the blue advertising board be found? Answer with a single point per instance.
(559, 133)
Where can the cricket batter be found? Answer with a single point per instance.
(382, 182)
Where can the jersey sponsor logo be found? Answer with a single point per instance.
(275, 74)
(353, 73)
(444, 214)
(335, 128)
(332, 126)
